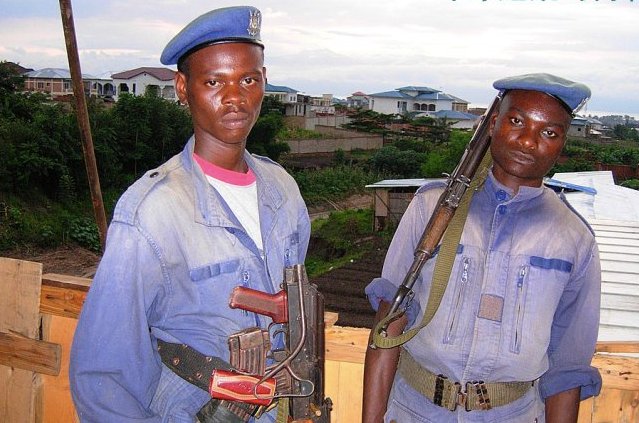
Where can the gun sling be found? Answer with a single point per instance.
(475, 395)
(196, 368)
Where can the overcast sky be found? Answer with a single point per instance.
(343, 46)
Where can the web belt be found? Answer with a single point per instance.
(196, 368)
(475, 395)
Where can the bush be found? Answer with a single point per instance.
(332, 183)
(631, 183)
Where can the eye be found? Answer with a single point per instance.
(549, 133)
(249, 80)
(212, 83)
(515, 121)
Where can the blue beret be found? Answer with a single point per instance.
(573, 95)
(229, 24)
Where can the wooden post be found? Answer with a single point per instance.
(20, 315)
(83, 119)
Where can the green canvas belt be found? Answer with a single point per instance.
(475, 395)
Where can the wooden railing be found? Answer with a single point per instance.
(61, 299)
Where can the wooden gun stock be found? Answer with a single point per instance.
(274, 306)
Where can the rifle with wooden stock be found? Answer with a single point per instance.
(457, 184)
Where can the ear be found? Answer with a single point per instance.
(264, 75)
(180, 80)
(493, 119)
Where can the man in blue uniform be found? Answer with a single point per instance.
(183, 236)
(514, 335)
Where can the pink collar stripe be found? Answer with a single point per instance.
(225, 175)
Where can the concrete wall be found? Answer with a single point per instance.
(329, 145)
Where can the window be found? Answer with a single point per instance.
(431, 107)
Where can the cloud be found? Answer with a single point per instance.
(340, 47)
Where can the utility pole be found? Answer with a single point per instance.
(83, 119)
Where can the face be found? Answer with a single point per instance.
(528, 134)
(223, 85)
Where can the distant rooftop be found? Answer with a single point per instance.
(162, 74)
(55, 73)
(270, 88)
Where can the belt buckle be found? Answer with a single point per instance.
(483, 400)
(461, 397)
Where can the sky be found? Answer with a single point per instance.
(342, 46)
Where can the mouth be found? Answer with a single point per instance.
(235, 120)
(522, 158)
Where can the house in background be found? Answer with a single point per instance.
(585, 127)
(57, 82)
(415, 99)
(357, 100)
(460, 120)
(138, 81)
(296, 104)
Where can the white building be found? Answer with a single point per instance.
(295, 103)
(138, 81)
(415, 99)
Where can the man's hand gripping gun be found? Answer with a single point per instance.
(298, 369)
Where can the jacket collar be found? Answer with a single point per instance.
(211, 209)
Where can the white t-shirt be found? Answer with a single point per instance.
(239, 190)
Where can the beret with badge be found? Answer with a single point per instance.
(226, 25)
(572, 95)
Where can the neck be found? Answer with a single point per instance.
(230, 157)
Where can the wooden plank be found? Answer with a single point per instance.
(63, 295)
(29, 354)
(615, 405)
(351, 383)
(618, 372)
(56, 397)
(19, 313)
(331, 386)
(330, 318)
(618, 347)
(346, 344)
(585, 411)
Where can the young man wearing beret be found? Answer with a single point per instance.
(183, 236)
(514, 335)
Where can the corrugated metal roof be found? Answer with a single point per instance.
(613, 213)
(619, 254)
(401, 183)
(55, 73)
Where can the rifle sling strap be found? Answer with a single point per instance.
(196, 368)
(443, 264)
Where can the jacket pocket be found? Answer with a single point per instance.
(458, 301)
(519, 310)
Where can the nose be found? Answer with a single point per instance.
(233, 95)
(527, 138)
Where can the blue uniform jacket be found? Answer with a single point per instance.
(522, 302)
(174, 253)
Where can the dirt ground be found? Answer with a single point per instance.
(343, 288)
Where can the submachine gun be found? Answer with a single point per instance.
(457, 184)
(295, 373)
